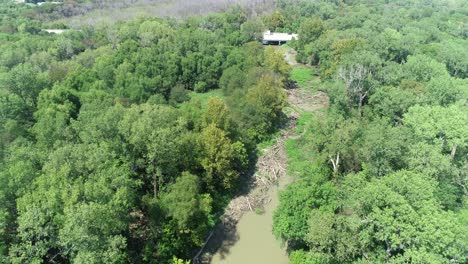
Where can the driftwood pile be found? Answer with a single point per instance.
(271, 166)
(306, 100)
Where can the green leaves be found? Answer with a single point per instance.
(303, 257)
(392, 144)
(274, 21)
(435, 123)
(26, 81)
(92, 232)
(397, 214)
(422, 68)
(78, 208)
(291, 218)
(221, 159)
(274, 61)
(263, 105)
(105, 157)
(310, 30)
(185, 203)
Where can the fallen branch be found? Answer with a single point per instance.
(247, 198)
(195, 259)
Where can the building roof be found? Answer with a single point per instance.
(52, 3)
(275, 36)
(56, 31)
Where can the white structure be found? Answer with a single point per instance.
(52, 3)
(56, 31)
(274, 38)
(39, 3)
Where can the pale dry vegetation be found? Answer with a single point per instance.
(106, 11)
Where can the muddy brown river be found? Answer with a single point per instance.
(256, 243)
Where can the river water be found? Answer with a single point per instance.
(256, 243)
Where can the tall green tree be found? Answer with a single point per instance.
(221, 158)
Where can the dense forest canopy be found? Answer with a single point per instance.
(109, 152)
(123, 142)
(383, 174)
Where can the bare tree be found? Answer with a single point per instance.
(355, 78)
(336, 163)
(112, 36)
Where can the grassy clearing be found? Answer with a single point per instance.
(303, 159)
(303, 76)
(299, 150)
(301, 156)
(204, 97)
(304, 121)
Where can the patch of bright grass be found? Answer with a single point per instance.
(204, 97)
(304, 121)
(298, 165)
(302, 76)
(300, 151)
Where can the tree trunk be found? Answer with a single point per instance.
(460, 181)
(155, 179)
(155, 185)
(389, 250)
(335, 163)
(361, 102)
(454, 150)
(360, 105)
(195, 259)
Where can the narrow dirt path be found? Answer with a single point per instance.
(245, 232)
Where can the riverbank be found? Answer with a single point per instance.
(245, 232)
(255, 242)
(245, 228)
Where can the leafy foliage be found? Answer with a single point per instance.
(391, 149)
(109, 151)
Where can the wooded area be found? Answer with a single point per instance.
(112, 149)
(110, 153)
(382, 174)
